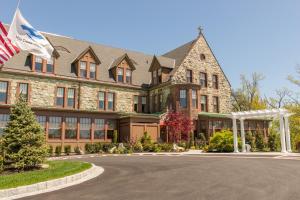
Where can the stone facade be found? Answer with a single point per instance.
(210, 66)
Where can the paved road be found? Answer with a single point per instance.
(186, 177)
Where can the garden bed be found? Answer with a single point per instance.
(56, 169)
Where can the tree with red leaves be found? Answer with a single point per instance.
(178, 126)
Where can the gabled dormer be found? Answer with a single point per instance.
(122, 69)
(40, 65)
(159, 73)
(86, 64)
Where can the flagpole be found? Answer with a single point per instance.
(18, 3)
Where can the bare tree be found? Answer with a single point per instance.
(280, 99)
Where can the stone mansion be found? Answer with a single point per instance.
(89, 90)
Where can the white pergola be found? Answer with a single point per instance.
(283, 116)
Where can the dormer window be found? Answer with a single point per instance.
(122, 69)
(38, 64)
(41, 65)
(92, 71)
(83, 69)
(154, 77)
(50, 65)
(120, 75)
(159, 75)
(128, 76)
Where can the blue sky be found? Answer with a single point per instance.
(246, 36)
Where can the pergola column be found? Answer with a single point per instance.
(243, 135)
(235, 137)
(287, 133)
(282, 135)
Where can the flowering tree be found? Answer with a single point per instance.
(178, 126)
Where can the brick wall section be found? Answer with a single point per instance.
(209, 66)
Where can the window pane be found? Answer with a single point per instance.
(38, 64)
(60, 96)
(71, 97)
(111, 124)
(204, 103)
(3, 91)
(135, 103)
(144, 104)
(92, 70)
(71, 128)
(110, 101)
(83, 72)
(50, 66)
(99, 132)
(85, 128)
(183, 102)
(194, 98)
(128, 76)
(203, 79)
(4, 118)
(120, 75)
(23, 87)
(101, 100)
(189, 76)
(42, 121)
(54, 131)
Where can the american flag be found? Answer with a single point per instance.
(7, 49)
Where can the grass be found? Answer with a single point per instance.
(57, 169)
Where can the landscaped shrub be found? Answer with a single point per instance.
(274, 141)
(221, 142)
(77, 150)
(1, 163)
(138, 147)
(259, 141)
(166, 147)
(156, 148)
(148, 147)
(50, 150)
(23, 140)
(115, 137)
(250, 139)
(67, 149)
(146, 138)
(89, 148)
(58, 150)
(107, 146)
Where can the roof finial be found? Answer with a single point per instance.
(200, 29)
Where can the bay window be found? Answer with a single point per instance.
(55, 127)
(183, 98)
(3, 92)
(85, 128)
(194, 99)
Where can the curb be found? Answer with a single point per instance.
(52, 185)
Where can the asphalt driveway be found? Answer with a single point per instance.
(186, 177)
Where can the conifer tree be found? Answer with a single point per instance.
(24, 145)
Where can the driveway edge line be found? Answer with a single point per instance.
(51, 185)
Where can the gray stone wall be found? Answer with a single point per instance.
(209, 66)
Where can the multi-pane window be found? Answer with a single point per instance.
(194, 99)
(111, 126)
(144, 104)
(23, 90)
(83, 69)
(135, 103)
(71, 128)
(215, 84)
(120, 74)
(183, 99)
(38, 64)
(71, 97)
(110, 101)
(99, 132)
(101, 100)
(189, 76)
(50, 65)
(4, 118)
(85, 128)
(216, 104)
(3, 91)
(154, 77)
(92, 70)
(54, 130)
(60, 96)
(128, 76)
(42, 121)
(159, 75)
(203, 79)
(204, 103)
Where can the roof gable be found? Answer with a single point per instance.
(88, 50)
(125, 57)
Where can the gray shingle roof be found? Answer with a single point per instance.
(69, 49)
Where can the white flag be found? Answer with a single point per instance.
(25, 37)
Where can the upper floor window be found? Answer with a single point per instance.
(183, 98)
(50, 65)
(202, 56)
(120, 74)
(110, 101)
(144, 104)
(92, 71)
(216, 104)
(194, 99)
(189, 76)
(38, 64)
(101, 100)
(128, 76)
(83, 69)
(154, 77)
(215, 83)
(135, 103)
(140, 104)
(60, 96)
(204, 103)
(159, 75)
(23, 90)
(71, 97)
(3, 91)
(203, 79)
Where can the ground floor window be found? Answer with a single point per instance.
(54, 131)
(85, 128)
(99, 132)
(42, 120)
(71, 128)
(4, 118)
(111, 126)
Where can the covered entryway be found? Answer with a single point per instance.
(283, 116)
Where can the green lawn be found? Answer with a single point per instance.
(57, 169)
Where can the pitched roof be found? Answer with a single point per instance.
(69, 49)
(180, 52)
